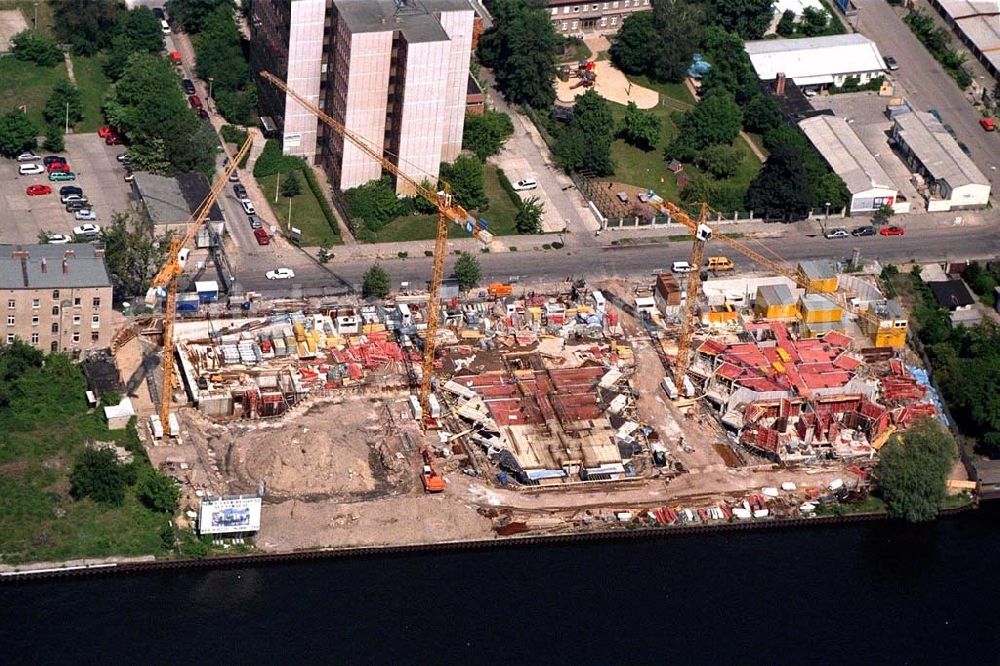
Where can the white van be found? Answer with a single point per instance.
(164, 26)
(681, 267)
(525, 184)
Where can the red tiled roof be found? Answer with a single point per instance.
(838, 339)
(847, 362)
(729, 371)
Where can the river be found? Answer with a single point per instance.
(866, 593)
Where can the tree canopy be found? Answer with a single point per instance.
(529, 216)
(131, 254)
(467, 270)
(467, 180)
(659, 43)
(99, 475)
(35, 47)
(586, 142)
(716, 120)
(639, 128)
(17, 134)
(376, 282)
(65, 102)
(192, 15)
(912, 469)
(486, 134)
(87, 25)
(521, 50)
(747, 18)
(781, 189)
(374, 203)
(158, 491)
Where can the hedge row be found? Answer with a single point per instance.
(321, 198)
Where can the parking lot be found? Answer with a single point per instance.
(98, 173)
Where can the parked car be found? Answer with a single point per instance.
(234, 177)
(936, 114)
(58, 166)
(988, 124)
(837, 233)
(891, 63)
(30, 169)
(195, 101)
(950, 130)
(105, 130)
(248, 207)
(123, 158)
(892, 230)
(70, 189)
(74, 206)
(164, 26)
(262, 237)
(188, 86)
(863, 231)
(681, 267)
(28, 157)
(57, 176)
(280, 274)
(73, 196)
(52, 159)
(86, 214)
(86, 230)
(38, 190)
(59, 239)
(240, 190)
(203, 114)
(525, 184)
(255, 222)
(114, 140)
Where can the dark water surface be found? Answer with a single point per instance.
(871, 593)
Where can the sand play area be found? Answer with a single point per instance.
(612, 85)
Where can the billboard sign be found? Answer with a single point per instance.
(222, 515)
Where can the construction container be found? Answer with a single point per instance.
(188, 302)
(155, 427)
(815, 309)
(207, 290)
(820, 276)
(173, 425)
(892, 327)
(775, 302)
(720, 315)
(434, 405)
(418, 413)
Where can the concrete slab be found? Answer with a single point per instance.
(12, 21)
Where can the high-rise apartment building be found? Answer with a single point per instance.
(55, 297)
(395, 72)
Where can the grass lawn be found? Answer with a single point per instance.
(94, 86)
(676, 91)
(575, 51)
(26, 83)
(306, 213)
(500, 214)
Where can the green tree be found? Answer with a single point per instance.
(290, 187)
(66, 101)
(747, 18)
(521, 48)
(912, 469)
(639, 128)
(17, 134)
(716, 120)
(467, 270)
(220, 52)
(141, 27)
(881, 215)
(237, 107)
(87, 25)
(762, 114)
(467, 180)
(815, 22)
(116, 57)
(731, 70)
(485, 134)
(529, 216)
(17, 360)
(158, 491)
(99, 475)
(131, 254)
(54, 139)
(781, 189)
(373, 203)
(630, 49)
(660, 43)
(586, 142)
(35, 47)
(422, 205)
(786, 25)
(720, 161)
(376, 283)
(192, 15)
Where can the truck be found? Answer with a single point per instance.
(499, 290)
(433, 482)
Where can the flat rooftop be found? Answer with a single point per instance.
(846, 154)
(814, 60)
(416, 19)
(937, 150)
(74, 265)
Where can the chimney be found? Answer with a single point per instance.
(779, 85)
(69, 253)
(44, 266)
(65, 266)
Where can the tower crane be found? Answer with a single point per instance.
(166, 278)
(448, 211)
(702, 233)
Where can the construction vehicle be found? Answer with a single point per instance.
(702, 232)
(433, 482)
(165, 281)
(499, 290)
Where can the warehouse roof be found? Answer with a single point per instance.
(417, 21)
(846, 154)
(173, 200)
(937, 150)
(979, 21)
(71, 266)
(816, 59)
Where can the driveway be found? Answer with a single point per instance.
(928, 85)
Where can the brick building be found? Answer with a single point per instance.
(572, 17)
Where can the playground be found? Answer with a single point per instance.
(609, 83)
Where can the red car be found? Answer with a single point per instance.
(892, 230)
(59, 166)
(114, 139)
(35, 190)
(104, 131)
(262, 237)
(195, 101)
(988, 124)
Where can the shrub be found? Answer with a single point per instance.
(271, 161)
(320, 195)
(99, 475)
(37, 48)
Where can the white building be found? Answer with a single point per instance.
(817, 62)
(950, 179)
(797, 7)
(847, 155)
(977, 23)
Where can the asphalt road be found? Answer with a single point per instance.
(927, 84)
(633, 260)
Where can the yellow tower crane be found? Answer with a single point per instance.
(166, 278)
(702, 232)
(448, 211)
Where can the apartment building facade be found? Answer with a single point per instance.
(55, 297)
(394, 72)
(572, 17)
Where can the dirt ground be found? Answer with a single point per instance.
(11, 22)
(611, 84)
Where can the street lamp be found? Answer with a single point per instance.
(827, 204)
(210, 79)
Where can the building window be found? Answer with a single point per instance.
(76, 336)
(645, 2)
(76, 320)
(566, 9)
(13, 304)
(55, 310)
(576, 9)
(10, 338)
(627, 3)
(563, 26)
(614, 20)
(54, 347)
(36, 303)
(34, 320)
(604, 21)
(76, 301)
(34, 339)
(595, 7)
(575, 23)
(55, 327)
(614, 5)
(95, 336)
(97, 302)
(605, 6)
(95, 320)
(555, 10)
(55, 294)
(10, 320)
